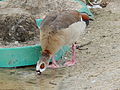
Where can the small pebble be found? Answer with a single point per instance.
(93, 81)
(16, 42)
(65, 57)
(52, 83)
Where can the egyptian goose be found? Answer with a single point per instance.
(57, 30)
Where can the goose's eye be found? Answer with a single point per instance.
(42, 66)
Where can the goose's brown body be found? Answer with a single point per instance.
(58, 29)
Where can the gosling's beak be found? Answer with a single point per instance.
(40, 67)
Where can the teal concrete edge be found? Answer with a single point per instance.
(20, 56)
(24, 56)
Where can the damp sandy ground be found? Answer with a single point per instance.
(97, 68)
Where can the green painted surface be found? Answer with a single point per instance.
(38, 22)
(22, 56)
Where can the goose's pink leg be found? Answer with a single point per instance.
(54, 63)
(73, 61)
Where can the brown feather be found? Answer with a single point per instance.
(59, 29)
(85, 16)
(61, 20)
